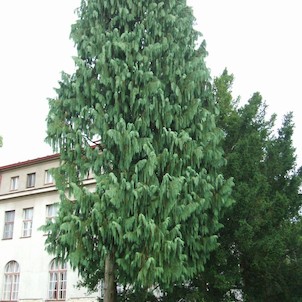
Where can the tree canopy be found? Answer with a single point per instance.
(139, 114)
(260, 252)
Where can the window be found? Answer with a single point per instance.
(31, 179)
(57, 280)
(11, 281)
(27, 222)
(51, 211)
(48, 177)
(101, 289)
(9, 224)
(14, 183)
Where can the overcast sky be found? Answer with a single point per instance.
(258, 41)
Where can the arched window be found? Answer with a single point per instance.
(11, 281)
(57, 280)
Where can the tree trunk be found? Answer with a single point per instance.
(110, 294)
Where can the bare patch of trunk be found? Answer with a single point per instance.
(110, 294)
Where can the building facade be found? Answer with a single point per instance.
(28, 197)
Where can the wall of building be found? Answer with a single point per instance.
(22, 171)
(30, 252)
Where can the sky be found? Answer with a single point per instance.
(257, 41)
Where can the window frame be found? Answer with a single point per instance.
(57, 284)
(27, 232)
(14, 183)
(53, 215)
(11, 281)
(8, 230)
(31, 180)
(48, 178)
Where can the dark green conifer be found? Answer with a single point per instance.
(260, 252)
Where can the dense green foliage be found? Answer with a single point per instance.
(255, 246)
(260, 253)
(140, 86)
(1, 141)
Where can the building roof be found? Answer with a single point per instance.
(30, 162)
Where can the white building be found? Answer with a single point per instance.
(27, 272)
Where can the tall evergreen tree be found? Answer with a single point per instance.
(142, 88)
(271, 253)
(260, 244)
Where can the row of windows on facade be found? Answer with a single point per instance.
(56, 284)
(27, 223)
(30, 181)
